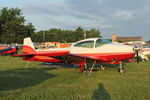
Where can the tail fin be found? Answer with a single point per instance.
(28, 47)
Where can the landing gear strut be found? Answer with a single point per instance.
(121, 69)
(84, 68)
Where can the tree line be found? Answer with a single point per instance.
(65, 35)
(13, 29)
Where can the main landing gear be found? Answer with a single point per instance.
(85, 69)
(121, 69)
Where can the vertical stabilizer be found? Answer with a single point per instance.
(28, 47)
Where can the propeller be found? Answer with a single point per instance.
(137, 56)
(137, 49)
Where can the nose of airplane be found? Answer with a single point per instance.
(125, 48)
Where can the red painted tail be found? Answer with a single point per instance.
(28, 47)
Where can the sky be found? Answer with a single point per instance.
(123, 17)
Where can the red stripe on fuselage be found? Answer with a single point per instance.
(52, 53)
(109, 56)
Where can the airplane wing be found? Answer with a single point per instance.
(82, 56)
(102, 58)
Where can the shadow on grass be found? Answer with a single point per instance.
(22, 78)
(101, 93)
(112, 65)
(75, 65)
(59, 65)
(89, 65)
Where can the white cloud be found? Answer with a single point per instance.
(124, 15)
(111, 16)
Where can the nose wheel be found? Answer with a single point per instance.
(121, 69)
(102, 67)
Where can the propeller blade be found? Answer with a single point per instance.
(137, 56)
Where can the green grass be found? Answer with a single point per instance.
(40, 82)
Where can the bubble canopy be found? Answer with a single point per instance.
(91, 43)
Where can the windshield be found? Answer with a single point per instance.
(101, 42)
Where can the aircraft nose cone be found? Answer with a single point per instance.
(125, 48)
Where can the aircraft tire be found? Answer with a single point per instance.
(102, 67)
(123, 70)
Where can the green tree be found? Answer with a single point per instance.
(92, 33)
(13, 32)
(148, 41)
(12, 27)
(30, 30)
(79, 34)
(66, 35)
(38, 37)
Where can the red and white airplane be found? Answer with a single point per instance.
(143, 53)
(97, 50)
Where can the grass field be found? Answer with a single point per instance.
(41, 82)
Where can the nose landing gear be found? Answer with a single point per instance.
(121, 69)
(102, 67)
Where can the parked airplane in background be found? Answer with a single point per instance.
(143, 53)
(7, 50)
(96, 50)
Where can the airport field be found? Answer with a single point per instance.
(41, 82)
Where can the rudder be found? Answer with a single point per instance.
(28, 47)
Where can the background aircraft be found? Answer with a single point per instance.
(143, 53)
(96, 50)
(8, 50)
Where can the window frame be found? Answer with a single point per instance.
(92, 41)
(100, 43)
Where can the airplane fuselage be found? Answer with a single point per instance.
(105, 52)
